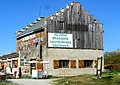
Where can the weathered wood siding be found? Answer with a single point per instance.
(87, 31)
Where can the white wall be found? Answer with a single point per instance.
(72, 54)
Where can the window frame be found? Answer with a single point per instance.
(64, 63)
(61, 64)
(88, 63)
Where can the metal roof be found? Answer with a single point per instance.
(39, 25)
(10, 55)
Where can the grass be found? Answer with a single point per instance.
(107, 79)
(7, 83)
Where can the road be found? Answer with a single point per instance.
(33, 81)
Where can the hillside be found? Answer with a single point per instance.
(113, 59)
(113, 62)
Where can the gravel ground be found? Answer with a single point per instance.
(33, 81)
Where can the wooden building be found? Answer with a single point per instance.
(71, 40)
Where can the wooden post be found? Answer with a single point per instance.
(101, 67)
(99, 70)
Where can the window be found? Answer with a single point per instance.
(85, 63)
(64, 63)
(24, 62)
(88, 63)
(14, 63)
(21, 62)
(60, 64)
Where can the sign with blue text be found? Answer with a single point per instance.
(60, 40)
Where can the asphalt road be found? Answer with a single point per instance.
(33, 81)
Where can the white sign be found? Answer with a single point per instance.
(60, 40)
(34, 74)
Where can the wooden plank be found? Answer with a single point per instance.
(81, 63)
(77, 21)
(73, 63)
(56, 64)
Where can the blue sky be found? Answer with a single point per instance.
(16, 14)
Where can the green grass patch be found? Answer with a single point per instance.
(107, 79)
(7, 83)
